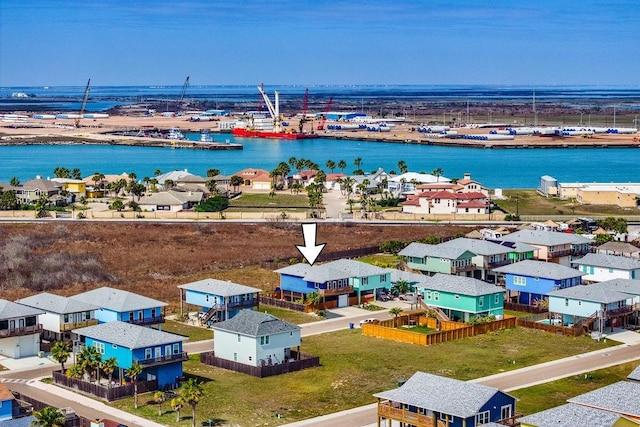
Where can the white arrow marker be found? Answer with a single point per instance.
(310, 250)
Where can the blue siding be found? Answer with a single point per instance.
(537, 287)
(167, 375)
(105, 315)
(207, 300)
(122, 354)
(295, 284)
(5, 409)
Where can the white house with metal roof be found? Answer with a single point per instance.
(256, 339)
(125, 306)
(601, 267)
(427, 400)
(218, 300)
(61, 315)
(172, 200)
(19, 330)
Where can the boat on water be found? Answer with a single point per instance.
(175, 134)
(206, 136)
(259, 125)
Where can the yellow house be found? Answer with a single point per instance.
(74, 186)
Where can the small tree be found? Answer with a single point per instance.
(158, 397)
(75, 372)
(191, 394)
(48, 417)
(176, 404)
(109, 366)
(395, 312)
(60, 353)
(132, 373)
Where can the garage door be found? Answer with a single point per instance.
(343, 300)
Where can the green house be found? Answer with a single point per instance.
(433, 259)
(462, 298)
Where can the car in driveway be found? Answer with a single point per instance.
(369, 320)
(409, 296)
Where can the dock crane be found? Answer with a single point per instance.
(84, 104)
(273, 111)
(182, 94)
(326, 112)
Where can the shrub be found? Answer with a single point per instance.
(392, 246)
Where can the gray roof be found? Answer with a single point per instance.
(300, 269)
(441, 394)
(546, 238)
(594, 293)
(324, 273)
(56, 304)
(478, 247)
(334, 270)
(547, 270)
(356, 268)
(118, 300)
(571, 415)
(18, 422)
(621, 247)
(172, 197)
(41, 184)
(460, 285)
(11, 310)
(608, 261)
(219, 287)
(129, 335)
(255, 324)
(421, 250)
(628, 286)
(622, 397)
(407, 276)
(635, 375)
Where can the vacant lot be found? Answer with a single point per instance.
(152, 259)
(354, 367)
(530, 202)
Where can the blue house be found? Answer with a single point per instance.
(426, 399)
(124, 306)
(218, 300)
(159, 353)
(531, 281)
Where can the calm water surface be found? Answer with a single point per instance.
(505, 168)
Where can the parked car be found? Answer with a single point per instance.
(409, 296)
(383, 296)
(369, 320)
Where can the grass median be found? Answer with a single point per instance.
(353, 368)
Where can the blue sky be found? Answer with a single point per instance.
(499, 42)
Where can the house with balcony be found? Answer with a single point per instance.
(19, 330)
(218, 300)
(61, 315)
(447, 203)
(427, 400)
(124, 306)
(559, 248)
(596, 306)
(159, 353)
(462, 298)
(619, 248)
(530, 281)
(432, 259)
(487, 255)
(334, 280)
(256, 339)
(601, 267)
(31, 191)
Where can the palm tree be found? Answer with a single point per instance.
(97, 178)
(74, 371)
(75, 173)
(400, 287)
(358, 162)
(60, 353)
(235, 182)
(109, 366)
(402, 165)
(342, 165)
(395, 312)
(176, 404)
(158, 397)
(212, 172)
(89, 359)
(157, 172)
(192, 393)
(14, 182)
(132, 373)
(169, 184)
(48, 417)
(331, 165)
(437, 172)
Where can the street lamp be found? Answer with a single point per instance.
(581, 114)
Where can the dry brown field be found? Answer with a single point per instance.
(152, 259)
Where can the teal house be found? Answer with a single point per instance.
(433, 259)
(462, 298)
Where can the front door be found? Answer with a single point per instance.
(505, 412)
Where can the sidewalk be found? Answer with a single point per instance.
(91, 403)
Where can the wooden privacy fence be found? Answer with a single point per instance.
(574, 331)
(453, 331)
(107, 393)
(298, 362)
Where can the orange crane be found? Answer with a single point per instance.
(326, 112)
(84, 104)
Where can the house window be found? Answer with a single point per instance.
(147, 353)
(176, 348)
(235, 357)
(497, 299)
(66, 318)
(87, 315)
(566, 302)
(383, 278)
(114, 346)
(264, 340)
(238, 337)
(250, 358)
(153, 313)
(481, 301)
(365, 281)
(436, 296)
(611, 270)
(140, 315)
(520, 281)
(446, 418)
(206, 298)
(457, 297)
(99, 346)
(428, 294)
(483, 418)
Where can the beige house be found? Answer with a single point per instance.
(171, 201)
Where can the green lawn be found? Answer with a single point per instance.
(354, 367)
(266, 201)
(517, 313)
(382, 260)
(420, 329)
(544, 396)
(195, 333)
